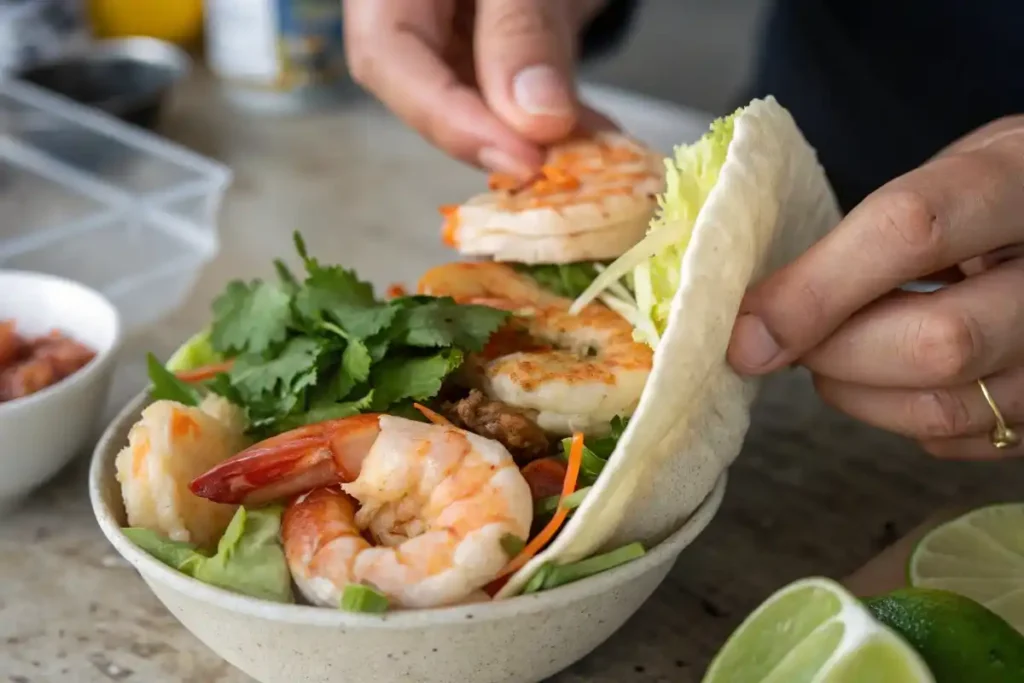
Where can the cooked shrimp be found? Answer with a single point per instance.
(422, 520)
(294, 462)
(588, 368)
(167, 447)
(592, 200)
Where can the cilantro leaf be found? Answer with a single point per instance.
(293, 369)
(167, 386)
(250, 318)
(442, 322)
(356, 362)
(417, 378)
(326, 411)
(336, 295)
(284, 274)
(322, 346)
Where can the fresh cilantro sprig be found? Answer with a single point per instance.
(324, 346)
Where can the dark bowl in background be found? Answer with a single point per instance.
(129, 78)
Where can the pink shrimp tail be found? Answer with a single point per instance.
(295, 462)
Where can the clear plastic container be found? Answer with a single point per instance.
(87, 197)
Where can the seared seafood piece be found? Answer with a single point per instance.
(422, 518)
(297, 461)
(167, 447)
(571, 372)
(592, 200)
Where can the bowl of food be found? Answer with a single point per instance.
(527, 638)
(482, 480)
(58, 340)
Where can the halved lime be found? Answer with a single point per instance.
(814, 631)
(979, 555)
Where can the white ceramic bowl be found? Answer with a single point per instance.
(41, 433)
(521, 640)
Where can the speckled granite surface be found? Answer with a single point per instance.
(813, 493)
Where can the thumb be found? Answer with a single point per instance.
(524, 51)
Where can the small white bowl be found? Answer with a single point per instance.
(520, 640)
(42, 432)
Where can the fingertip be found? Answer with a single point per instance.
(753, 350)
(543, 107)
(498, 160)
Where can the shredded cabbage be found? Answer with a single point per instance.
(656, 260)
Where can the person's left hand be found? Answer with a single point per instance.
(909, 362)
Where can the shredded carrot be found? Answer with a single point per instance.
(551, 528)
(396, 290)
(432, 416)
(450, 230)
(204, 373)
(504, 181)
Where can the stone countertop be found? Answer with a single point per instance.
(812, 494)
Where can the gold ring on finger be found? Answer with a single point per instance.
(1002, 436)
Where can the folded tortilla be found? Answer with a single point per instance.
(771, 201)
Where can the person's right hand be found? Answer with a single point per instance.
(488, 81)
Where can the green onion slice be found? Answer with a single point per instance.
(364, 599)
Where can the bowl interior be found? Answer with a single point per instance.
(40, 303)
(107, 504)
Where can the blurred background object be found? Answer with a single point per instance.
(93, 200)
(34, 31)
(280, 55)
(129, 78)
(176, 21)
(698, 53)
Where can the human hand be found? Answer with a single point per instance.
(488, 81)
(902, 361)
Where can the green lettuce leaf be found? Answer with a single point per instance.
(249, 558)
(195, 353)
(656, 260)
(164, 385)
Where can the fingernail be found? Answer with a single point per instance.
(501, 161)
(753, 346)
(541, 90)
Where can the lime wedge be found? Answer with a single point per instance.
(980, 556)
(813, 631)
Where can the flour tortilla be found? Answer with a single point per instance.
(771, 202)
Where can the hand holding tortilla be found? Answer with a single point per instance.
(578, 433)
(911, 362)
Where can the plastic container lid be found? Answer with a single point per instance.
(89, 198)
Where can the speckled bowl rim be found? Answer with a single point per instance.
(305, 615)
